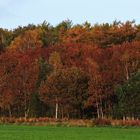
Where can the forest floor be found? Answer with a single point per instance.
(23, 132)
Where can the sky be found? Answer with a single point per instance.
(15, 13)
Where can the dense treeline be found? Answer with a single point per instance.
(70, 71)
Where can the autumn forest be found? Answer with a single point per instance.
(70, 71)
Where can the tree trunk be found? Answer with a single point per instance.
(127, 72)
(26, 113)
(10, 113)
(124, 118)
(101, 110)
(98, 111)
(56, 109)
(62, 113)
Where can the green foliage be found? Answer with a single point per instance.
(129, 97)
(36, 105)
(5, 37)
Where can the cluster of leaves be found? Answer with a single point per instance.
(72, 71)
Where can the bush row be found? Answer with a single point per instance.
(69, 122)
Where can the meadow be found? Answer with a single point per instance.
(22, 132)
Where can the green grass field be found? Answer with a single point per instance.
(13, 132)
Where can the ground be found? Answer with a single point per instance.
(14, 132)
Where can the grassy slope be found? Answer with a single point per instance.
(12, 132)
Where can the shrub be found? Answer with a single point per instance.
(102, 121)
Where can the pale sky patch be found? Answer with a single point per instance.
(23, 12)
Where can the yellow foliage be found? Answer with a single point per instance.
(29, 39)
